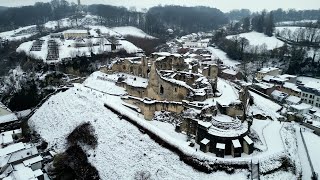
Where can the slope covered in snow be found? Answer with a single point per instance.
(122, 149)
(258, 39)
(217, 53)
(131, 31)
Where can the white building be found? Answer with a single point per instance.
(271, 71)
(310, 93)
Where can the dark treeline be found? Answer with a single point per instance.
(187, 19)
(155, 21)
(237, 14)
(40, 13)
(117, 16)
(295, 15)
(279, 14)
(262, 22)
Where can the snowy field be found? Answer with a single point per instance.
(122, 149)
(19, 34)
(217, 53)
(131, 31)
(258, 39)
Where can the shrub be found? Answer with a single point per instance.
(84, 133)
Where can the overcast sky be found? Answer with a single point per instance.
(224, 5)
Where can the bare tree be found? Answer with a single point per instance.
(90, 45)
(101, 43)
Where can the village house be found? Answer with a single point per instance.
(20, 161)
(75, 33)
(310, 93)
(279, 96)
(293, 100)
(7, 118)
(290, 88)
(264, 87)
(300, 109)
(271, 71)
(230, 74)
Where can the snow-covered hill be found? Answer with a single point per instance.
(132, 31)
(122, 149)
(68, 48)
(258, 39)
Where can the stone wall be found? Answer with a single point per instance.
(130, 67)
(160, 89)
(148, 108)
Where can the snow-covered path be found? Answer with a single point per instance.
(313, 144)
(273, 138)
(306, 169)
(217, 53)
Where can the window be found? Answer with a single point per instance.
(161, 90)
(175, 90)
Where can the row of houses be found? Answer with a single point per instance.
(18, 160)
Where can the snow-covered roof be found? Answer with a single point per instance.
(33, 160)
(293, 99)
(80, 31)
(8, 118)
(205, 124)
(286, 76)
(22, 172)
(267, 70)
(291, 86)
(205, 141)
(248, 140)
(4, 109)
(12, 148)
(162, 53)
(236, 143)
(221, 146)
(302, 106)
(279, 94)
(264, 85)
(24, 153)
(230, 71)
(6, 137)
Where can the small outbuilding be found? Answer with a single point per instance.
(247, 145)
(220, 150)
(205, 145)
(236, 148)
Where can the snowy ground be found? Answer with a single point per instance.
(131, 31)
(229, 93)
(19, 34)
(217, 53)
(313, 144)
(264, 106)
(258, 39)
